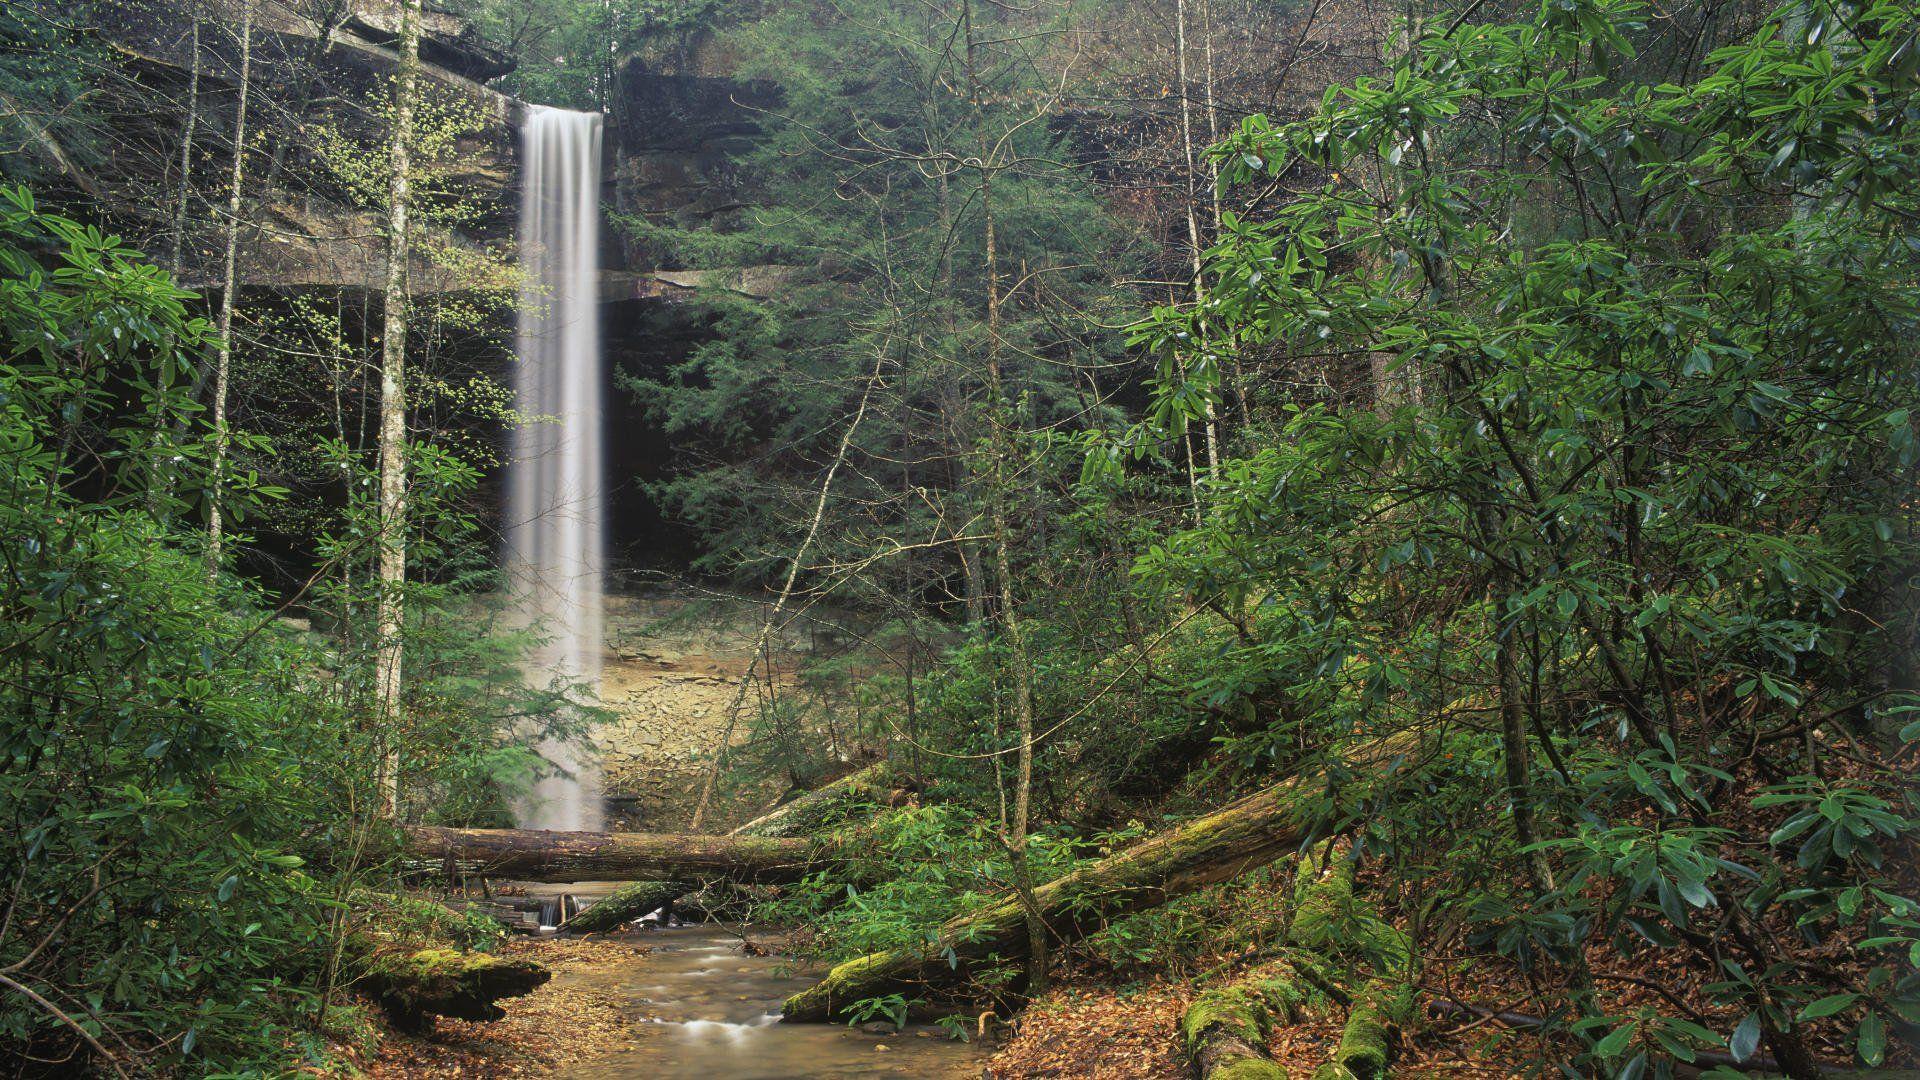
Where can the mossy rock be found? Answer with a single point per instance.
(414, 987)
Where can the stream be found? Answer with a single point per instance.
(712, 1013)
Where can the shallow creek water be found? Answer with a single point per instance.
(712, 1013)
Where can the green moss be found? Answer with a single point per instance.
(414, 986)
(1323, 903)
(1363, 1044)
(1366, 1042)
(626, 903)
(1229, 1009)
(1330, 919)
(1286, 999)
(1248, 1068)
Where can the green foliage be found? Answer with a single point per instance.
(186, 776)
(888, 279)
(1642, 459)
(929, 864)
(891, 1007)
(161, 742)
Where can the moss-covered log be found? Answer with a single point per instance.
(876, 784)
(1329, 919)
(1366, 1043)
(1225, 1035)
(631, 901)
(814, 810)
(1248, 834)
(414, 987)
(1225, 1030)
(535, 855)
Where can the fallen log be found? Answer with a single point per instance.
(1225, 1035)
(804, 814)
(876, 784)
(536, 855)
(1225, 1030)
(1248, 834)
(631, 901)
(414, 987)
(1366, 1042)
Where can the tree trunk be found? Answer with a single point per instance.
(1212, 431)
(1248, 834)
(763, 642)
(802, 815)
(537, 855)
(1001, 450)
(631, 901)
(390, 609)
(161, 474)
(183, 191)
(229, 282)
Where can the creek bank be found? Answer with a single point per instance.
(559, 1023)
(679, 1004)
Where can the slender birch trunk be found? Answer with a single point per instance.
(1213, 187)
(1016, 828)
(390, 611)
(763, 641)
(1212, 431)
(160, 472)
(177, 239)
(229, 282)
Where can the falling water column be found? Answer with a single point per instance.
(554, 543)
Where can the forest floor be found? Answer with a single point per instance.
(559, 1024)
(1096, 1032)
(1083, 1029)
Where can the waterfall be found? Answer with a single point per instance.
(555, 498)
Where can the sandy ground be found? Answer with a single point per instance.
(671, 670)
(560, 1024)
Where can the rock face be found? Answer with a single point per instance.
(447, 41)
(674, 150)
(669, 675)
(309, 75)
(680, 139)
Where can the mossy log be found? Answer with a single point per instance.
(1329, 919)
(414, 987)
(631, 901)
(877, 784)
(1250, 833)
(536, 855)
(1225, 1030)
(796, 817)
(1366, 1042)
